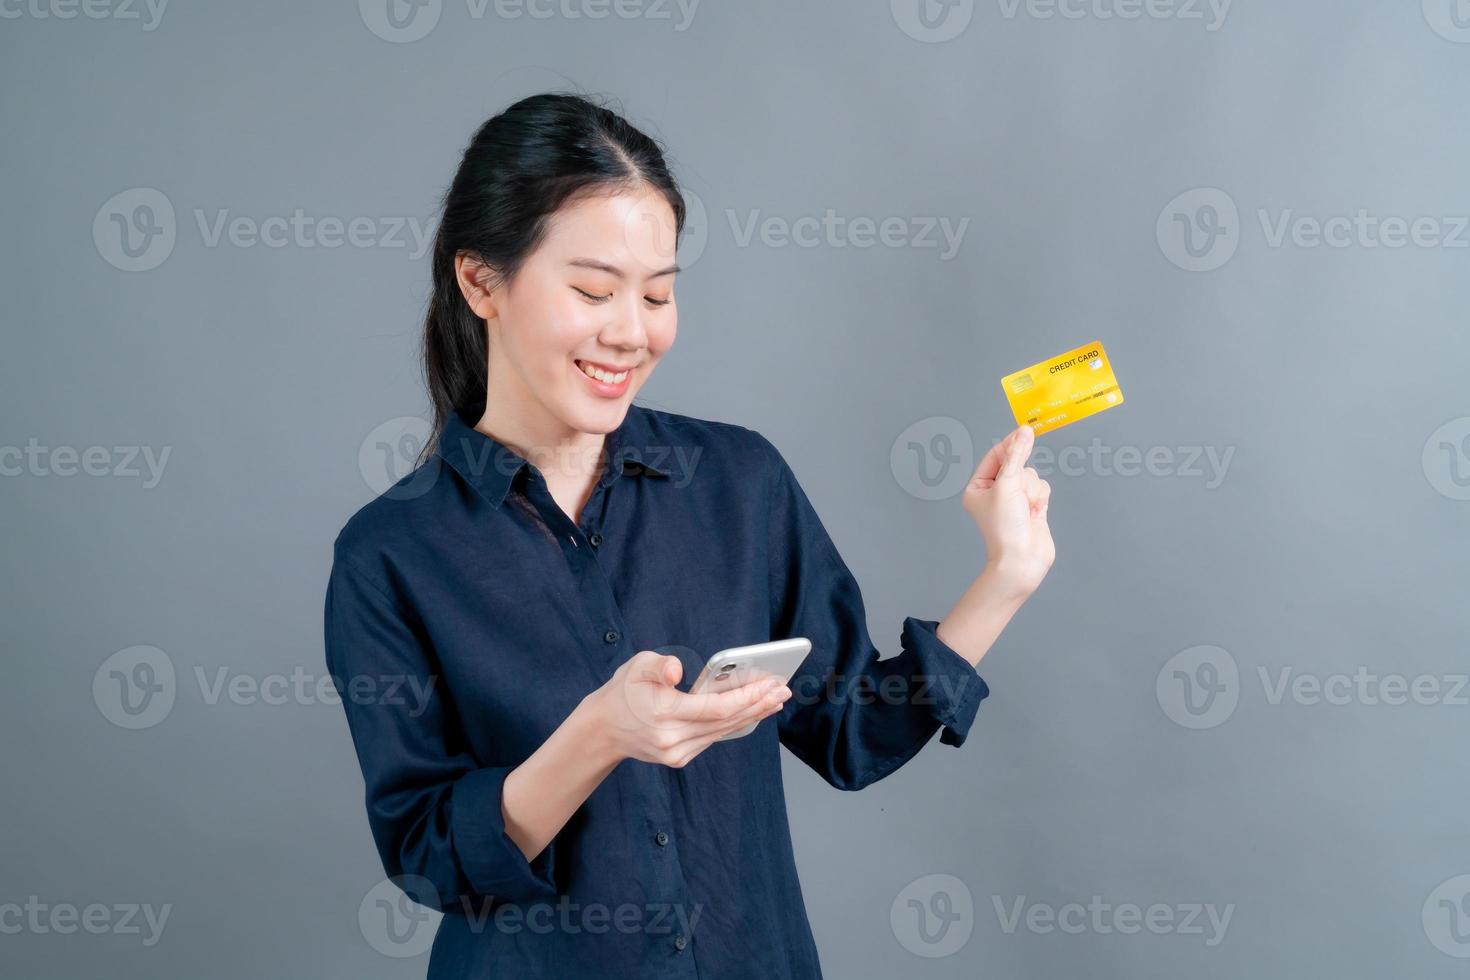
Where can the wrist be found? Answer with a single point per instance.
(588, 723)
(1009, 579)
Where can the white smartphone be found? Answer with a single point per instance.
(740, 665)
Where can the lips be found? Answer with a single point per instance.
(606, 389)
(609, 368)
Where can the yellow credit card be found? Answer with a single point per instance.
(1064, 389)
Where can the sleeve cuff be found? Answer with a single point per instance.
(492, 862)
(955, 688)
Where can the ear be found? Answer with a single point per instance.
(475, 279)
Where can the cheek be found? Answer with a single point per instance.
(661, 335)
(567, 328)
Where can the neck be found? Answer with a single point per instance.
(563, 453)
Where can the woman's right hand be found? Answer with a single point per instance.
(646, 717)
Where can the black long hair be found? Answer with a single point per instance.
(519, 168)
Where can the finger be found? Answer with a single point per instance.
(718, 706)
(1030, 484)
(769, 704)
(990, 463)
(701, 735)
(655, 668)
(1016, 455)
(1042, 500)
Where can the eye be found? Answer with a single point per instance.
(658, 302)
(591, 298)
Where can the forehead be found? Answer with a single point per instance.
(631, 226)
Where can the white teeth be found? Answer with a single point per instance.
(602, 375)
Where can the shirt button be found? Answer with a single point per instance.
(680, 942)
(611, 636)
(662, 838)
(595, 538)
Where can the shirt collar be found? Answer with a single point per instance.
(490, 466)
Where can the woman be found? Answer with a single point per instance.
(543, 776)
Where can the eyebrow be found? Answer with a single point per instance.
(614, 270)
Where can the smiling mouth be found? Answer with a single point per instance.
(607, 374)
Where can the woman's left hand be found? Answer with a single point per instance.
(1008, 500)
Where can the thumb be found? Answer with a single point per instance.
(1015, 460)
(653, 667)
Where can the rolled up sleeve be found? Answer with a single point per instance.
(435, 815)
(852, 717)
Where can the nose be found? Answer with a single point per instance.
(627, 329)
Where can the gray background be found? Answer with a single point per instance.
(1334, 541)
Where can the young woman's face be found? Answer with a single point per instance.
(596, 296)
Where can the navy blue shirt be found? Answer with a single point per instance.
(467, 615)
